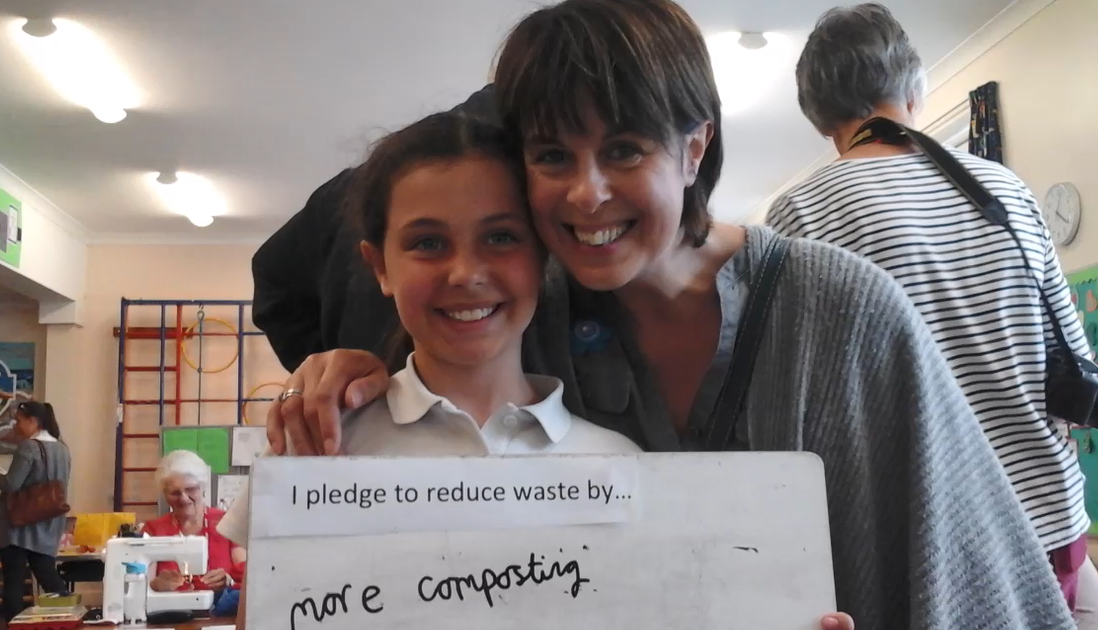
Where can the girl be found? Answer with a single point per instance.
(40, 457)
(617, 109)
(447, 233)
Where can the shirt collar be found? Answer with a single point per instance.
(44, 436)
(410, 400)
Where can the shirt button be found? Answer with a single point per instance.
(510, 422)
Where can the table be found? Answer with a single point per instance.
(190, 625)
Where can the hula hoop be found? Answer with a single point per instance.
(183, 346)
(244, 407)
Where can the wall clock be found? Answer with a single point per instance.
(1063, 211)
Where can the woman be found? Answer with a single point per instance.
(885, 200)
(39, 457)
(184, 480)
(615, 104)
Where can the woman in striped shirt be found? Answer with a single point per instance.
(890, 204)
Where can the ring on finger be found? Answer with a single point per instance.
(288, 392)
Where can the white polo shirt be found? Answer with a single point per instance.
(412, 421)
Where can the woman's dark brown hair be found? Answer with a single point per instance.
(642, 64)
(43, 413)
(442, 137)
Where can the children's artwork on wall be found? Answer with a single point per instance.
(11, 229)
(1084, 293)
(16, 374)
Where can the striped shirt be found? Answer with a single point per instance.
(967, 278)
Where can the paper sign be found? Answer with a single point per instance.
(325, 496)
(229, 487)
(248, 444)
(725, 541)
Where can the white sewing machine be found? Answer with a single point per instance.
(189, 552)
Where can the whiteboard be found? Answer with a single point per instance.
(720, 541)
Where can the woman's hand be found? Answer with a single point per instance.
(167, 581)
(216, 579)
(837, 621)
(330, 382)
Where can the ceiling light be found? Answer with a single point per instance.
(201, 220)
(753, 41)
(79, 66)
(748, 65)
(189, 195)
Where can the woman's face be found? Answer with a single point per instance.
(26, 426)
(184, 495)
(608, 204)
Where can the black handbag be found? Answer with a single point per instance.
(729, 405)
(1071, 382)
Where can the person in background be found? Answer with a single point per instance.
(975, 288)
(184, 480)
(616, 107)
(35, 545)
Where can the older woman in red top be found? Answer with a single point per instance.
(184, 478)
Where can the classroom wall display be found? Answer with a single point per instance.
(1084, 293)
(16, 374)
(229, 488)
(651, 541)
(11, 229)
(248, 444)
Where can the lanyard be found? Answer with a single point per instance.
(879, 131)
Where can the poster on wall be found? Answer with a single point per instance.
(11, 229)
(1084, 293)
(16, 374)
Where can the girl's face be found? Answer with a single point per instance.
(460, 260)
(26, 426)
(609, 204)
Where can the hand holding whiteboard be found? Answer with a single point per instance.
(706, 541)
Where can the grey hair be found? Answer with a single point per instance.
(857, 59)
(186, 463)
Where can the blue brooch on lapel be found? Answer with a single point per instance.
(589, 336)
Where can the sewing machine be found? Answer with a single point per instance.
(189, 552)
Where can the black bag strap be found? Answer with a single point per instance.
(749, 337)
(990, 207)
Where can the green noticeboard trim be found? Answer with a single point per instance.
(11, 229)
(211, 444)
(1084, 293)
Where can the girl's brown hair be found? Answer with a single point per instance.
(442, 137)
(643, 65)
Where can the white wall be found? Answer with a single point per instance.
(53, 263)
(1048, 91)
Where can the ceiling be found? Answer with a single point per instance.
(270, 98)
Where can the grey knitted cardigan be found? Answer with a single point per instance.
(27, 470)
(927, 533)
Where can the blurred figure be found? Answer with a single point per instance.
(39, 457)
(887, 202)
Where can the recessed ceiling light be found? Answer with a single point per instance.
(79, 65)
(747, 65)
(753, 41)
(189, 195)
